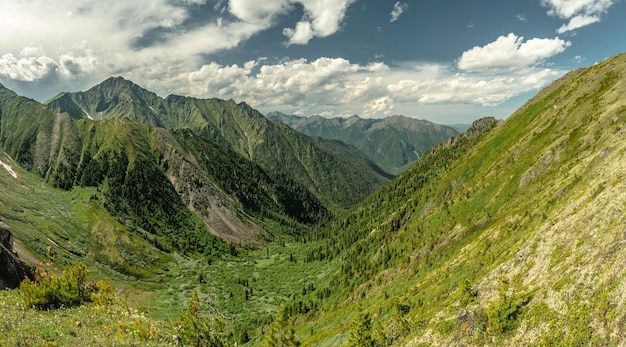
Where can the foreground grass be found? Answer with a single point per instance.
(86, 325)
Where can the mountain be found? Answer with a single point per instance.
(508, 236)
(393, 142)
(170, 189)
(276, 148)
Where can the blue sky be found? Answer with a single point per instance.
(445, 61)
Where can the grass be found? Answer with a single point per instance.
(87, 325)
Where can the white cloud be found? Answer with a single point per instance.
(578, 22)
(335, 86)
(398, 10)
(510, 52)
(322, 18)
(485, 90)
(301, 35)
(258, 11)
(579, 13)
(381, 106)
(30, 65)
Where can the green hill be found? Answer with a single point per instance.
(394, 142)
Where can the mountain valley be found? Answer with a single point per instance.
(511, 233)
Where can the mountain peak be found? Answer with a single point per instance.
(118, 82)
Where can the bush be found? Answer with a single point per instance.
(198, 330)
(70, 289)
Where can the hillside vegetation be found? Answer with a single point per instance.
(394, 142)
(513, 237)
(510, 234)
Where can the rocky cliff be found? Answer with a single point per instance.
(12, 270)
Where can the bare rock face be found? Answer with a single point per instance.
(218, 212)
(12, 270)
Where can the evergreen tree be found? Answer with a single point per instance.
(197, 329)
(281, 331)
(361, 330)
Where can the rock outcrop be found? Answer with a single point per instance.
(12, 270)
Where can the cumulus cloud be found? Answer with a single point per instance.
(510, 52)
(484, 90)
(336, 86)
(398, 10)
(579, 13)
(102, 39)
(258, 11)
(321, 18)
(301, 35)
(382, 106)
(30, 65)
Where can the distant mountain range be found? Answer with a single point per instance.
(393, 142)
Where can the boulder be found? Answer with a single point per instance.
(12, 270)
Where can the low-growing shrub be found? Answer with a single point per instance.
(49, 291)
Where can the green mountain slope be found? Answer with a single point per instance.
(173, 189)
(512, 237)
(392, 142)
(277, 149)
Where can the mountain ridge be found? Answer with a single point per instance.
(239, 127)
(393, 142)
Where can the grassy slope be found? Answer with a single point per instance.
(524, 232)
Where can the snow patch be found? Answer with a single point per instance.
(86, 114)
(9, 169)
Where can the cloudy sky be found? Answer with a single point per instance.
(442, 60)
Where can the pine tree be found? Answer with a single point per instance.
(361, 330)
(199, 330)
(281, 331)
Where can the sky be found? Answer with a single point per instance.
(445, 61)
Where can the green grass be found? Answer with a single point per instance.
(86, 325)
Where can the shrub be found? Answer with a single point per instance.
(196, 329)
(69, 289)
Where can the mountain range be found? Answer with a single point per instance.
(222, 169)
(509, 234)
(276, 148)
(393, 142)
